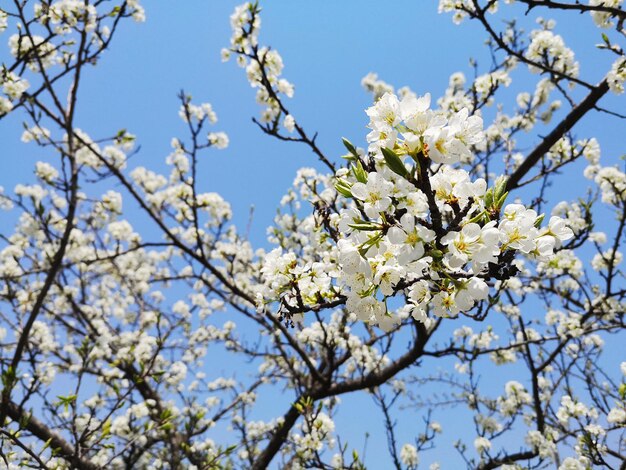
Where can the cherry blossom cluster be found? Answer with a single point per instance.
(122, 366)
(263, 65)
(196, 116)
(427, 231)
(51, 40)
(24, 47)
(414, 224)
(4, 21)
(617, 76)
(13, 87)
(549, 49)
(376, 86)
(462, 8)
(64, 15)
(604, 19)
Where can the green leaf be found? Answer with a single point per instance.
(436, 254)
(8, 377)
(502, 199)
(359, 172)
(106, 428)
(350, 146)
(499, 188)
(364, 247)
(539, 220)
(494, 197)
(488, 198)
(484, 216)
(343, 188)
(365, 226)
(68, 399)
(394, 162)
(47, 444)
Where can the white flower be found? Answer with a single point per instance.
(598, 237)
(367, 309)
(419, 296)
(3, 21)
(602, 261)
(46, 172)
(518, 228)
(375, 193)
(617, 416)
(385, 114)
(444, 304)
(444, 147)
(601, 18)
(468, 129)
(289, 123)
(482, 444)
(349, 257)
(477, 288)
(612, 182)
(472, 243)
(558, 228)
(409, 456)
(416, 204)
(454, 185)
(21, 45)
(121, 230)
(617, 76)
(219, 140)
(550, 50)
(13, 86)
(417, 115)
(376, 87)
(5, 106)
(571, 463)
(412, 237)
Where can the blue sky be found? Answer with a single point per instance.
(327, 46)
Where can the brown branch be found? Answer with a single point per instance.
(55, 267)
(25, 448)
(278, 439)
(376, 378)
(618, 12)
(45, 434)
(479, 14)
(304, 138)
(559, 131)
(495, 463)
(321, 391)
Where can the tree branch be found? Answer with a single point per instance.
(559, 131)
